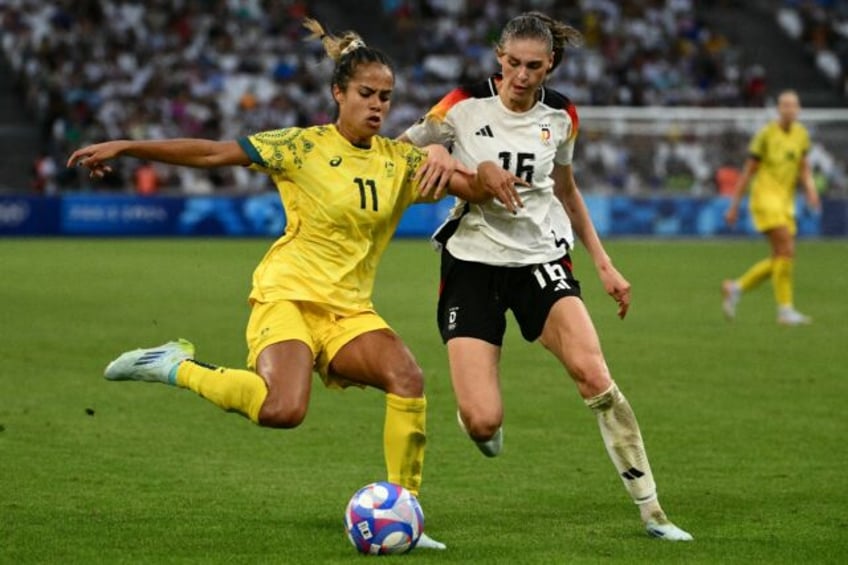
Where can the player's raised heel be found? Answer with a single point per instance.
(155, 364)
(492, 446)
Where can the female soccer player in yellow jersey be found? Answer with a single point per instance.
(494, 261)
(344, 189)
(777, 159)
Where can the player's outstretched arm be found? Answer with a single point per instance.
(810, 190)
(434, 175)
(565, 188)
(732, 213)
(201, 153)
(491, 180)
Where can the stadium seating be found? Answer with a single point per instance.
(98, 69)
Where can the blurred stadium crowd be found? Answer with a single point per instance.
(99, 69)
(822, 27)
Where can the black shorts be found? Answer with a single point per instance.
(474, 297)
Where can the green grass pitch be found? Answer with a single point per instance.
(745, 422)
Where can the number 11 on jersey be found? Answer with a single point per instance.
(363, 197)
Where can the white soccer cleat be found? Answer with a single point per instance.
(667, 531)
(731, 294)
(152, 365)
(426, 542)
(792, 317)
(492, 446)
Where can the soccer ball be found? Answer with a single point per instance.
(383, 518)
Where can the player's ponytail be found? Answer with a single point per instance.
(347, 50)
(563, 36)
(536, 25)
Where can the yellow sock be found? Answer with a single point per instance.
(403, 440)
(230, 389)
(781, 278)
(759, 272)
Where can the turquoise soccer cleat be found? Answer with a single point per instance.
(155, 364)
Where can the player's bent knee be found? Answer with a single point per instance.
(482, 425)
(281, 420)
(483, 431)
(281, 415)
(590, 375)
(407, 381)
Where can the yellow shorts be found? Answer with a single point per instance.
(323, 331)
(773, 214)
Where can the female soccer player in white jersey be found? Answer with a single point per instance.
(494, 260)
(344, 189)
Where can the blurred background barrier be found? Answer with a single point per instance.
(263, 215)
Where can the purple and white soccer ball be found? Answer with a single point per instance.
(383, 518)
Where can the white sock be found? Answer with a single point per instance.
(623, 441)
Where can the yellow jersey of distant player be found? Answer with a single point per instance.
(779, 153)
(343, 204)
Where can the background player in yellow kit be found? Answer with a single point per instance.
(344, 189)
(777, 159)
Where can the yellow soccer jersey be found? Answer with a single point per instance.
(779, 153)
(343, 204)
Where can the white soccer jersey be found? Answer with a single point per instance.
(480, 128)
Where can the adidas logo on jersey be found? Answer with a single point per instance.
(485, 131)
